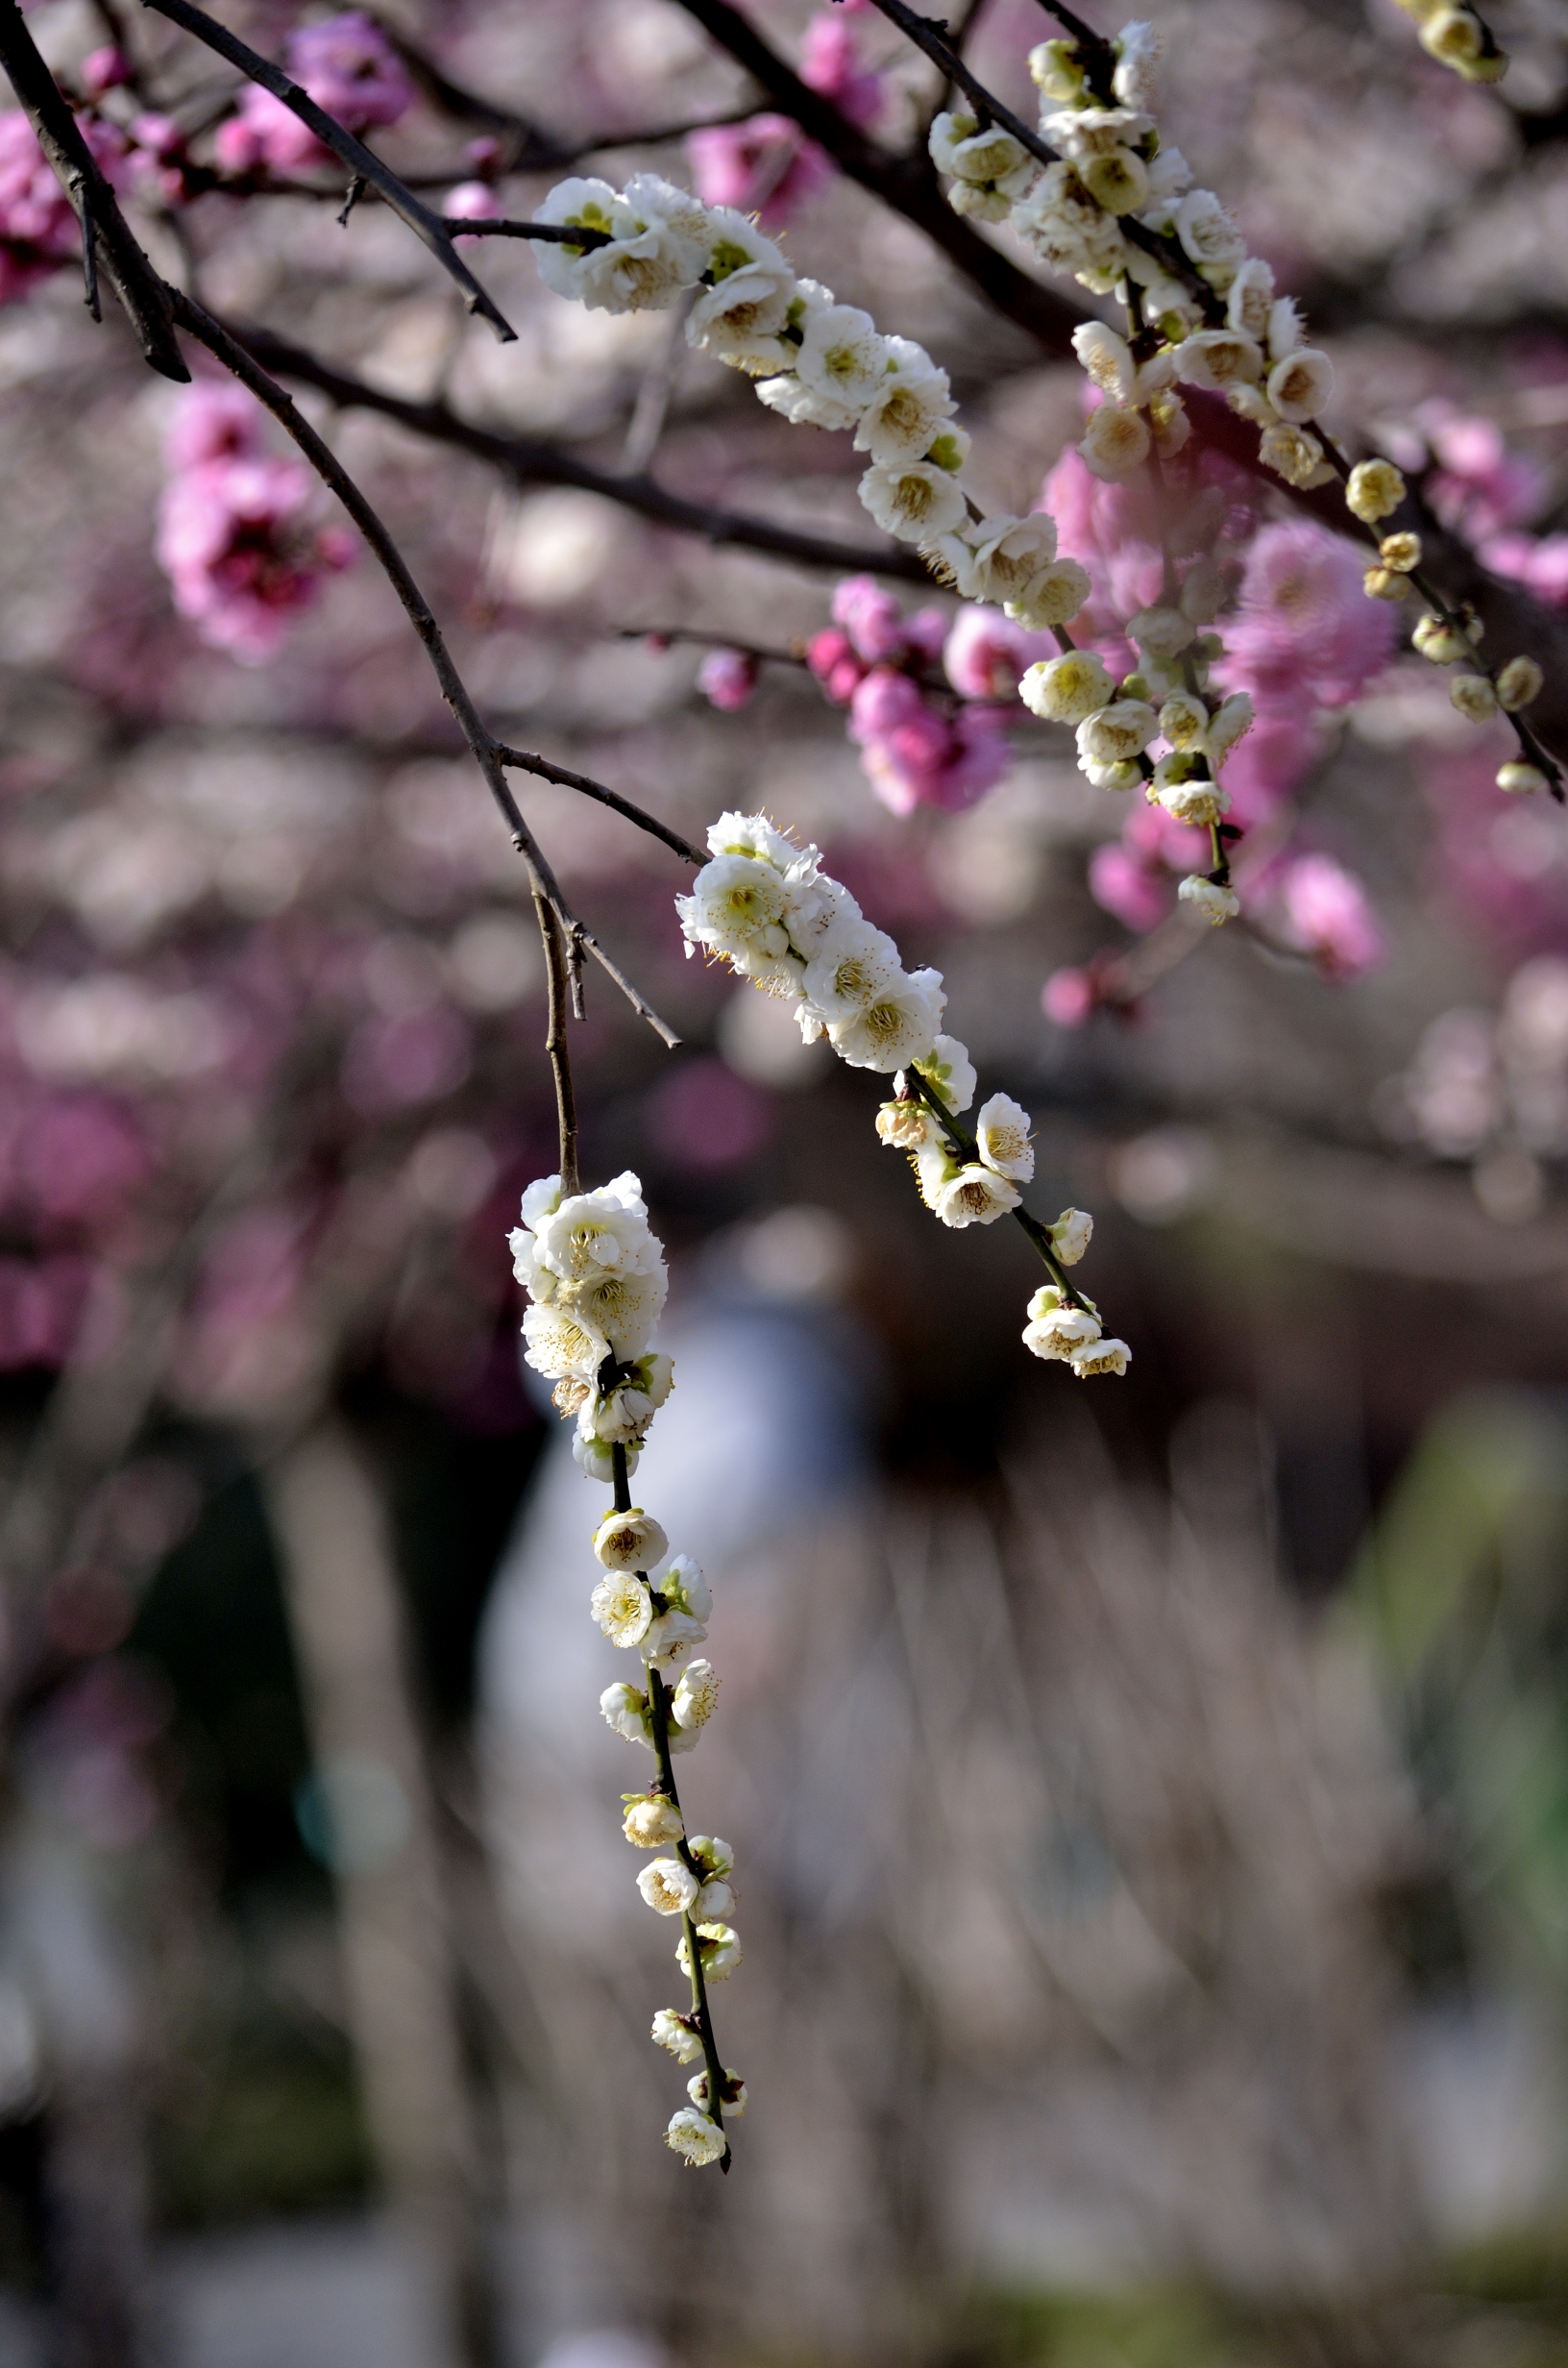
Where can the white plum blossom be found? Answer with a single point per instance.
(1070, 1235)
(975, 1196)
(842, 355)
(668, 1885)
(623, 1607)
(1301, 385)
(693, 2136)
(1216, 904)
(1210, 236)
(950, 1072)
(1114, 441)
(604, 1229)
(1113, 735)
(1002, 559)
(907, 406)
(1003, 1137)
(626, 1710)
(1108, 362)
(896, 1029)
(679, 2032)
(1056, 1328)
(695, 1697)
(561, 1344)
(1100, 1357)
(651, 1820)
(803, 407)
(858, 964)
(720, 1945)
(631, 1541)
(913, 500)
(644, 267)
(1067, 689)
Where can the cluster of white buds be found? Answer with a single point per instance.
(595, 1272)
(1457, 36)
(818, 363)
(766, 906)
(1374, 492)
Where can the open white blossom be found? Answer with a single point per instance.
(1250, 303)
(644, 269)
(842, 355)
(695, 1697)
(670, 1637)
(561, 1343)
(801, 406)
(1056, 1328)
(898, 1027)
(1137, 59)
(1113, 735)
(715, 1902)
(1114, 442)
(685, 1585)
(905, 1125)
(907, 408)
(1218, 358)
(860, 962)
(599, 1230)
(694, 2136)
(1054, 598)
(1108, 361)
(720, 1945)
(1003, 1137)
(1210, 236)
(1100, 1357)
(735, 902)
(1301, 384)
(975, 1196)
(630, 1540)
(912, 499)
(1207, 896)
(623, 1607)
(622, 1307)
(1066, 689)
(1000, 560)
(668, 1885)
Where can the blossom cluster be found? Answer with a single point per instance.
(765, 905)
(235, 531)
(597, 1282)
(919, 745)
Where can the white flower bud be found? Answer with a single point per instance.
(1100, 1357)
(1070, 1235)
(651, 1820)
(1520, 779)
(950, 1072)
(1065, 689)
(1116, 733)
(1440, 642)
(623, 1607)
(1375, 490)
(714, 1902)
(1519, 683)
(1400, 552)
(1291, 454)
(1161, 632)
(1207, 896)
(683, 1584)
(677, 2031)
(1474, 696)
(1056, 71)
(713, 1856)
(1003, 1139)
(1056, 1328)
(694, 2136)
(720, 1945)
(629, 1540)
(626, 1711)
(668, 1885)
(905, 1125)
(1385, 583)
(734, 2093)
(1453, 36)
(595, 1458)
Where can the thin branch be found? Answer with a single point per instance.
(764, 656)
(566, 780)
(560, 1062)
(527, 461)
(359, 158)
(329, 469)
(500, 226)
(106, 236)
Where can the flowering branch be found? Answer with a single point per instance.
(361, 159)
(106, 236)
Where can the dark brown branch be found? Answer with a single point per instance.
(566, 780)
(106, 236)
(907, 183)
(527, 461)
(329, 469)
(552, 233)
(560, 1060)
(421, 220)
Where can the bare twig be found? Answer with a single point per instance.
(359, 159)
(550, 234)
(527, 461)
(566, 780)
(560, 1063)
(106, 236)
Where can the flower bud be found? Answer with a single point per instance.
(713, 1856)
(1119, 181)
(1519, 683)
(677, 2030)
(720, 1947)
(651, 1820)
(1161, 632)
(1070, 1235)
(1474, 696)
(732, 2093)
(1056, 71)
(1375, 490)
(626, 1709)
(1401, 552)
(1519, 779)
(1439, 641)
(630, 1542)
(1384, 583)
(1453, 36)
(1184, 720)
(904, 1126)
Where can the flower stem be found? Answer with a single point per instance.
(658, 1698)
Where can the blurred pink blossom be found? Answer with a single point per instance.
(104, 69)
(37, 224)
(1068, 997)
(985, 654)
(1538, 560)
(915, 753)
(1129, 885)
(1478, 486)
(766, 166)
(1325, 912)
(830, 65)
(347, 67)
(234, 535)
(727, 679)
(1304, 633)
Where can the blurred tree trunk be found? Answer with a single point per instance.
(346, 1614)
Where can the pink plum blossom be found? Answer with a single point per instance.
(1305, 633)
(347, 67)
(1324, 912)
(766, 166)
(985, 654)
(727, 679)
(1068, 997)
(830, 65)
(234, 535)
(1130, 886)
(37, 224)
(915, 753)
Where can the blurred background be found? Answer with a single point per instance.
(1151, 1800)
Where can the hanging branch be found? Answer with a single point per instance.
(361, 159)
